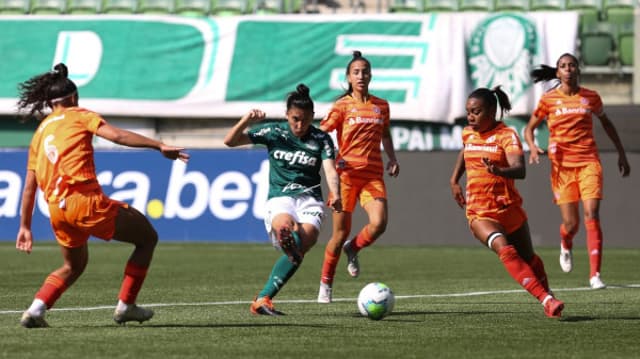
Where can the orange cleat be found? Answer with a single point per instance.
(263, 306)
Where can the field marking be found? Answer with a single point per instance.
(237, 302)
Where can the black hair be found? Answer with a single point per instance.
(300, 98)
(493, 98)
(548, 73)
(357, 56)
(45, 90)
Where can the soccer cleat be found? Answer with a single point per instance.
(32, 321)
(132, 313)
(288, 245)
(263, 306)
(324, 294)
(566, 260)
(596, 283)
(553, 307)
(353, 266)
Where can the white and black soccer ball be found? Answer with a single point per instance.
(376, 300)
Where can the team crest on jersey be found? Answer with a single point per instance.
(312, 145)
(584, 101)
(376, 110)
(491, 138)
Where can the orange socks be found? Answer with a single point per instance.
(594, 245)
(329, 266)
(566, 238)
(537, 266)
(51, 290)
(133, 278)
(521, 272)
(363, 239)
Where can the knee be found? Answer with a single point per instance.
(72, 271)
(377, 227)
(152, 237)
(590, 214)
(571, 225)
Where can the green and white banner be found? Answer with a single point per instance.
(166, 66)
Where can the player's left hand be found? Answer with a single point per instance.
(174, 153)
(24, 241)
(491, 166)
(393, 168)
(623, 166)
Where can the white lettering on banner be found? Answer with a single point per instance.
(223, 190)
(10, 195)
(451, 139)
(261, 180)
(178, 179)
(138, 195)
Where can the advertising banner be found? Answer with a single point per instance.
(170, 66)
(218, 195)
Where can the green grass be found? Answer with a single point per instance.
(201, 295)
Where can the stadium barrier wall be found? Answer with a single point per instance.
(219, 196)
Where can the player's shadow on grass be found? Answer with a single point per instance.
(237, 325)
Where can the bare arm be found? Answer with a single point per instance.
(610, 129)
(393, 168)
(333, 182)
(535, 151)
(458, 171)
(24, 240)
(236, 135)
(132, 139)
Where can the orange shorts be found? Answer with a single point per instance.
(81, 215)
(511, 218)
(353, 189)
(571, 184)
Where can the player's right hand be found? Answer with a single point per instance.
(458, 195)
(24, 241)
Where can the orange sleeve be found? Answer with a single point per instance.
(333, 119)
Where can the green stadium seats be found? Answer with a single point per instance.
(229, 7)
(625, 45)
(83, 7)
(589, 11)
(441, 5)
(155, 6)
(476, 5)
(119, 6)
(14, 7)
(597, 44)
(194, 8)
(47, 7)
(548, 5)
(511, 5)
(269, 7)
(406, 6)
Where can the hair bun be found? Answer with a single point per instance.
(61, 69)
(302, 89)
(357, 54)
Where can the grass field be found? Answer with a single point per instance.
(452, 302)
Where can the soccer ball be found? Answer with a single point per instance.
(376, 300)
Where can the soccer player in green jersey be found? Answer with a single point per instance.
(295, 209)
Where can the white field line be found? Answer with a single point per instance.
(237, 302)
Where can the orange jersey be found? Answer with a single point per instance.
(359, 128)
(570, 122)
(61, 153)
(487, 193)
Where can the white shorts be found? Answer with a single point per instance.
(303, 209)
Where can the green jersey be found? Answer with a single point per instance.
(294, 163)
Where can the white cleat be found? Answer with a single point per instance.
(324, 294)
(32, 321)
(566, 260)
(596, 282)
(132, 313)
(353, 266)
